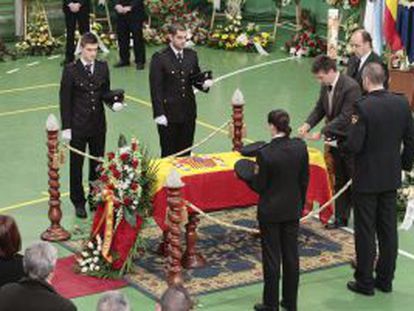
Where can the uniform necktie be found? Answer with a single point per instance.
(88, 69)
(180, 57)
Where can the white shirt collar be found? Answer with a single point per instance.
(279, 135)
(84, 63)
(335, 81)
(363, 59)
(176, 51)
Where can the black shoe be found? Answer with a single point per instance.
(382, 288)
(262, 307)
(80, 212)
(140, 66)
(121, 64)
(354, 287)
(285, 306)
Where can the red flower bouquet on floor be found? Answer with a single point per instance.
(122, 196)
(306, 43)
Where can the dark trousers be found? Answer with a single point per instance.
(82, 19)
(176, 137)
(96, 146)
(280, 246)
(375, 214)
(128, 25)
(343, 171)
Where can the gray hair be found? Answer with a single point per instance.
(113, 301)
(374, 72)
(39, 260)
(176, 298)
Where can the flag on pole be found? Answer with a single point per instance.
(373, 23)
(390, 25)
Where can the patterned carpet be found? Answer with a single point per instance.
(234, 257)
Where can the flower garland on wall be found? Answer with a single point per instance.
(167, 12)
(306, 42)
(123, 197)
(233, 35)
(405, 193)
(38, 40)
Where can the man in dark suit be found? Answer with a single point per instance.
(381, 125)
(174, 71)
(76, 13)
(84, 84)
(336, 100)
(130, 17)
(361, 43)
(35, 291)
(281, 181)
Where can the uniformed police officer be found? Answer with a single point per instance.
(76, 12)
(130, 17)
(83, 85)
(381, 124)
(174, 71)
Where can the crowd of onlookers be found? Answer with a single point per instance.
(26, 280)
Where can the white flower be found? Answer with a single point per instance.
(82, 263)
(92, 266)
(97, 268)
(96, 253)
(90, 245)
(85, 254)
(99, 239)
(84, 270)
(99, 248)
(95, 259)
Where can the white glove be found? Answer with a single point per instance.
(161, 120)
(208, 84)
(117, 107)
(67, 135)
(332, 143)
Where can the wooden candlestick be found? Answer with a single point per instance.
(191, 258)
(55, 232)
(238, 106)
(175, 217)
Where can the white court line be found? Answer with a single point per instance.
(233, 73)
(12, 71)
(400, 251)
(33, 64)
(53, 57)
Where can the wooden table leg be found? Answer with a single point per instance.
(191, 258)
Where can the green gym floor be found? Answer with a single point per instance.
(29, 93)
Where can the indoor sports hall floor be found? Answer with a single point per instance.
(29, 93)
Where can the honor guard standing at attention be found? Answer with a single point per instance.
(382, 140)
(174, 71)
(76, 13)
(130, 18)
(83, 86)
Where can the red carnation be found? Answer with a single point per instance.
(111, 187)
(354, 2)
(135, 163)
(134, 146)
(124, 157)
(127, 201)
(117, 204)
(117, 174)
(134, 186)
(104, 178)
(112, 167)
(111, 156)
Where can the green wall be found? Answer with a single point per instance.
(255, 8)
